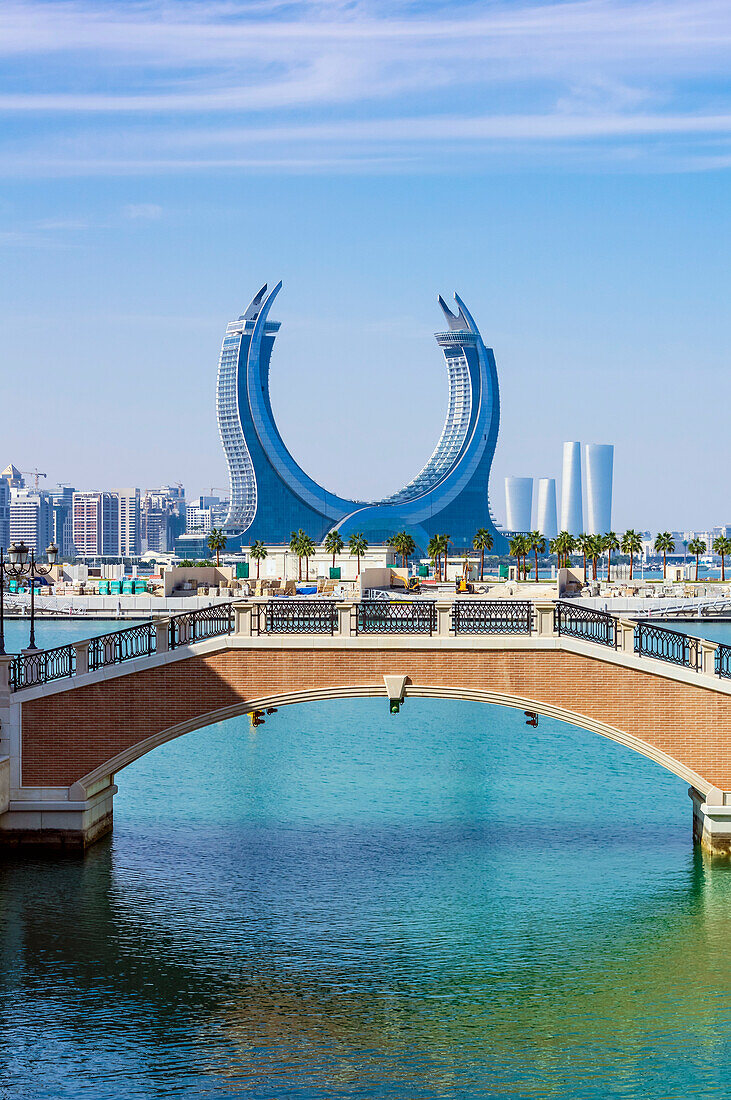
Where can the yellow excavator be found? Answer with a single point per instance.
(461, 584)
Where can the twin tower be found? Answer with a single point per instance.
(597, 480)
(271, 495)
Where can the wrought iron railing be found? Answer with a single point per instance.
(667, 645)
(492, 616)
(296, 617)
(195, 626)
(396, 617)
(122, 645)
(29, 669)
(723, 661)
(585, 623)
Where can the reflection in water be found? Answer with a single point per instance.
(349, 904)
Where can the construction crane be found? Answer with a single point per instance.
(34, 474)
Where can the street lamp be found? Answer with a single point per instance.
(22, 563)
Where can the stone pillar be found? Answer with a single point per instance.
(544, 618)
(162, 635)
(712, 821)
(626, 635)
(5, 660)
(707, 664)
(345, 619)
(242, 619)
(444, 617)
(82, 656)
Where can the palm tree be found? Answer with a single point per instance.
(585, 545)
(216, 542)
(306, 549)
(631, 544)
(482, 541)
(664, 545)
(609, 542)
(517, 550)
(697, 547)
(565, 544)
(434, 551)
(403, 544)
(295, 545)
(357, 545)
(537, 545)
(722, 547)
(444, 541)
(334, 544)
(596, 549)
(257, 552)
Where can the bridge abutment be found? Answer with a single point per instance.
(48, 820)
(712, 821)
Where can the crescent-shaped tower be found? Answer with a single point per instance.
(271, 495)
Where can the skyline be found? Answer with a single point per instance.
(561, 166)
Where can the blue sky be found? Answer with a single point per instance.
(563, 166)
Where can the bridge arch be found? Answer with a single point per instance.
(134, 752)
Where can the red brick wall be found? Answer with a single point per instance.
(67, 735)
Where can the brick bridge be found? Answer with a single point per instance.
(73, 717)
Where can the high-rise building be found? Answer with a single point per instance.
(198, 519)
(130, 542)
(546, 521)
(598, 466)
(270, 493)
(4, 513)
(518, 503)
(95, 524)
(572, 516)
(31, 519)
(13, 476)
(62, 498)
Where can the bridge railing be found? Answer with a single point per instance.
(121, 645)
(723, 661)
(586, 623)
(656, 641)
(295, 617)
(195, 626)
(28, 669)
(396, 617)
(492, 617)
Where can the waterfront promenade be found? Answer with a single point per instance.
(75, 716)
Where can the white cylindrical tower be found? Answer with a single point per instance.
(546, 521)
(518, 503)
(598, 465)
(572, 517)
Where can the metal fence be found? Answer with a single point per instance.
(667, 645)
(586, 623)
(29, 669)
(397, 617)
(492, 617)
(723, 661)
(122, 645)
(295, 617)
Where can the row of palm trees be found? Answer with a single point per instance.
(304, 547)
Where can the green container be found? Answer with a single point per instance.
(242, 570)
(423, 570)
(334, 572)
(127, 588)
(116, 587)
(502, 572)
(103, 588)
(13, 586)
(140, 587)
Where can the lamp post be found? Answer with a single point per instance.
(22, 563)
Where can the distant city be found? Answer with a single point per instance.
(131, 523)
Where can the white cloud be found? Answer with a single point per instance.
(142, 211)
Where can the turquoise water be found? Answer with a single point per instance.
(344, 903)
(55, 632)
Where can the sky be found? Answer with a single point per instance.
(564, 167)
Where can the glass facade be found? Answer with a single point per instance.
(270, 493)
